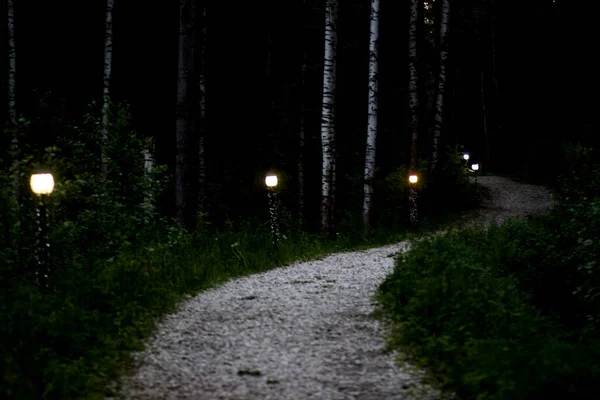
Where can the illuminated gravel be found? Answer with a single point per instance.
(299, 332)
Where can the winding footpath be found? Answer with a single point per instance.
(303, 331)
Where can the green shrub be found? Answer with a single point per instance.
(465, 305)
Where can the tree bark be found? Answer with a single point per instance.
(202, 116)
(370, 150)
(441, 86)
(497, 104)
(185, 124)
(413, 103)
(108, 49)
(12, 71)
(328, 115)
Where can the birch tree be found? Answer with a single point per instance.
(372, 113)
(202, 113)
(108, 48)
(413, 94)
(328, 116)
(12, 94)
(12, 71)
(441, 86)
(184, 128)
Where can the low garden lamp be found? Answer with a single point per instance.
(466, 156)
(475, 168)
(271, 181)
(412, 198)
(42, 185)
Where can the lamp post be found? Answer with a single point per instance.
(475, 168)
(42, 184)
(271, 182)
(412, 199)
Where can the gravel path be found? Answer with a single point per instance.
(298, 332)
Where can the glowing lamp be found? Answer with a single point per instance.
(42, 183)
(466, 156)
(271, 180)
(413, 179)
(475, 167)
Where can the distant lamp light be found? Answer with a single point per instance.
(413, 179)
(42, 183)
(475, 167)
(271, 180)
(466, 156)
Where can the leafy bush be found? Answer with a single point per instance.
(468, 319)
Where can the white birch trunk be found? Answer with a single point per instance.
(108, 44)
(327, 121)
(413, 103)
(441, 86)
(12, 70)
(202, 116)
(184, 124)
(372, 114)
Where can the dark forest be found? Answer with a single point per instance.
(520, 86)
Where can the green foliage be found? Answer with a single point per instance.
(511, 312)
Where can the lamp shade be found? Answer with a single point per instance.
(413, 178)
(475, 167)
(42, 183)
(271, 180)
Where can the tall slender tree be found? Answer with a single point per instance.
(370, 149)
(413, 94)
(202, 111)
(15, 148)
(108, 49)
(185, 123)
(12, 71)
(440, 89)
(328, 116)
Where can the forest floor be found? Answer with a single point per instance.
(304, 331)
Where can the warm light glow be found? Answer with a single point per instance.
(466, 156)
(413, 179)
(271, 180)
(42, 183)
(475, 167)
